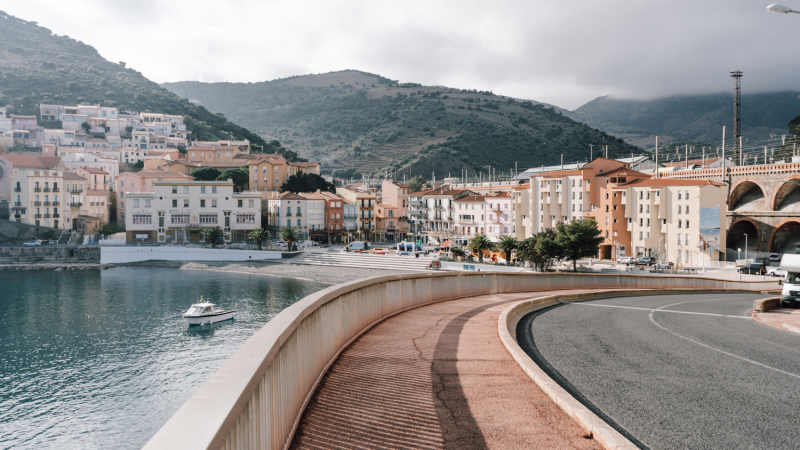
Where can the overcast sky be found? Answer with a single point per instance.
(564, 53)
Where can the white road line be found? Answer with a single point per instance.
(794, 375)
(662, 310)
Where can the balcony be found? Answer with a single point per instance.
(76, 191)
(37, 189)
(630, 226)
(37, 203)
(415, 213)
(299, 214)
(76, 205)
(55, 203)
(37, 216)
(17, 189)
(657, 200)
(17, 216)
(663, 228)
(415, 202)
(17, 203)
(437, 207)
(46, 189)
(55, 189)
(47, 216)
(56, 216)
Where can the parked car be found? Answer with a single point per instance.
(776, 272)
(644, 261)
(35, 243)
(626, 260)
(664, 265)
(774, 257)
(282, 244)
(755, 269)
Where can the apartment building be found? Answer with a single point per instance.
(366, 216)
(19, 122)
(96, 206)
(315, 213)
(675, 220)
(267, 173)
(397, 194)
(35, 200)
(94, 160)
(244, 145)
(334, 211)
(349, 218)
(520, 212)
(97, 178)
(287, 210)
(11, 161)
(387, 223)
(469, 217)
(498, 222)
(609, 211)
(177, 211)
(416, 213)
(75, 187)
(213, 153)
(142, 181)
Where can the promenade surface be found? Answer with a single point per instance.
(786, 319)
(435, 377)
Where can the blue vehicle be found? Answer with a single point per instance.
(409, 247)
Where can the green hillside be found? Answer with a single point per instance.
(37, 67)
(354, 121)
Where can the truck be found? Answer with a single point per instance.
(790, 296)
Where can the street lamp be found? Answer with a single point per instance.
(778, 8)
(745, 246)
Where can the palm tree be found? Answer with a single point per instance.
(212, 235)
(480, 243)
(507, 245)
(291, 235)
(258, 235)
(458, 252)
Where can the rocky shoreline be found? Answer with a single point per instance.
(55, 266)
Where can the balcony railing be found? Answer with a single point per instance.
(55, 189)
(76, 204)
(17, 203)
(299, 214)
(47, 216)
(55, 203)
(76, 191)
(46, 203)
(37, 216)
(17, 216)
(46, 189)
(17, 189)
(37, 203)
(36, 189)
(56, 216)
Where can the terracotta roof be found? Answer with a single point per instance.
(39, 162)
(290, 196)
(213, 147)
(312, 196)
(330, 195)
(623, 172)
(401, 185)
(94, 170)
(154, 173)
(471, 199)
(387, 206)
(258, 156)
(589, 166)
(100, 192)
(658, 182)
(70, 175)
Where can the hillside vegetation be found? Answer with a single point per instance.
(690, 118)
(354, 121)
(37, 67)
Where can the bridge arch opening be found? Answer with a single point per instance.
(786, 237)
(747, 196)
(736, 236)
(787, 197)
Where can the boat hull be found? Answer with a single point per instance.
(203, 320)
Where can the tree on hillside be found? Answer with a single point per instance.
(86, 127)
(507, 244)
(540, 250)
(416, 183)
(307, 182)
(238, 175)
(206, 174)
(480, 243)
(579, 239)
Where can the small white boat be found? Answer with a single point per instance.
(206, 313)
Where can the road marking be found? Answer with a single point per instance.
(791, 328)
(663, 310)
(794, 375)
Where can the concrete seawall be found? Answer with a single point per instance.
(12, 255)
(124, 255)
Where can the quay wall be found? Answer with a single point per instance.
(123, 255)
(11, 255)
(256, 399)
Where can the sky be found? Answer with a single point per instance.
(563, 53)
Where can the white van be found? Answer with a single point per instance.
(791, 288)
(358, 246)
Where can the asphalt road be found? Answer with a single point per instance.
(713, 379)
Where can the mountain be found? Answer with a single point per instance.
(693, 118)
(37, 66)
(354, 121)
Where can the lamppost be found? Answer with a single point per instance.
(778, 8)
(745, 246)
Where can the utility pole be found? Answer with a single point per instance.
(737, 113)
(591, 153)
(741, 153)
(687, 157)
(656, 157)
(562, 161)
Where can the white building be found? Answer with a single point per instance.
(95, 160)
(469, 217)
(498, 221)
(178, 211)
(287, 210)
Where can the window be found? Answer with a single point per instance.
(641, 222)
(250, 204)
(174, 189)
(276, 170)
(648, 195)
(687, 224)
(239, 203)
(213, 203)
(679, 195)
(180, 218)
(147, 203)
(255, 170)
(641, 237)
(687, 195)
(136, 203)
(606, 221)
(641, 195)
(687, 209)
(680, 223)
(288, 222)
(186, 203)
(687, 243)
(245, 218)
(298, 222)
(174, 203)
(277, 181)
(606, 195)
(606, 208)
(687, 257)
(679, 238)
(202, 189)
(186, 189)
(142, 219)
(213, 189)
(208, 218)
(679, 209)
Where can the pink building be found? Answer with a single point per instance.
(142, 181)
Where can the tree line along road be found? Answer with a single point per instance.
(675, 371)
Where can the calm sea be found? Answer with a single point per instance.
(101, 359)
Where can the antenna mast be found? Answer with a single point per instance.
(737, 115)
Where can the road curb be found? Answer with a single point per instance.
(601, 431)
